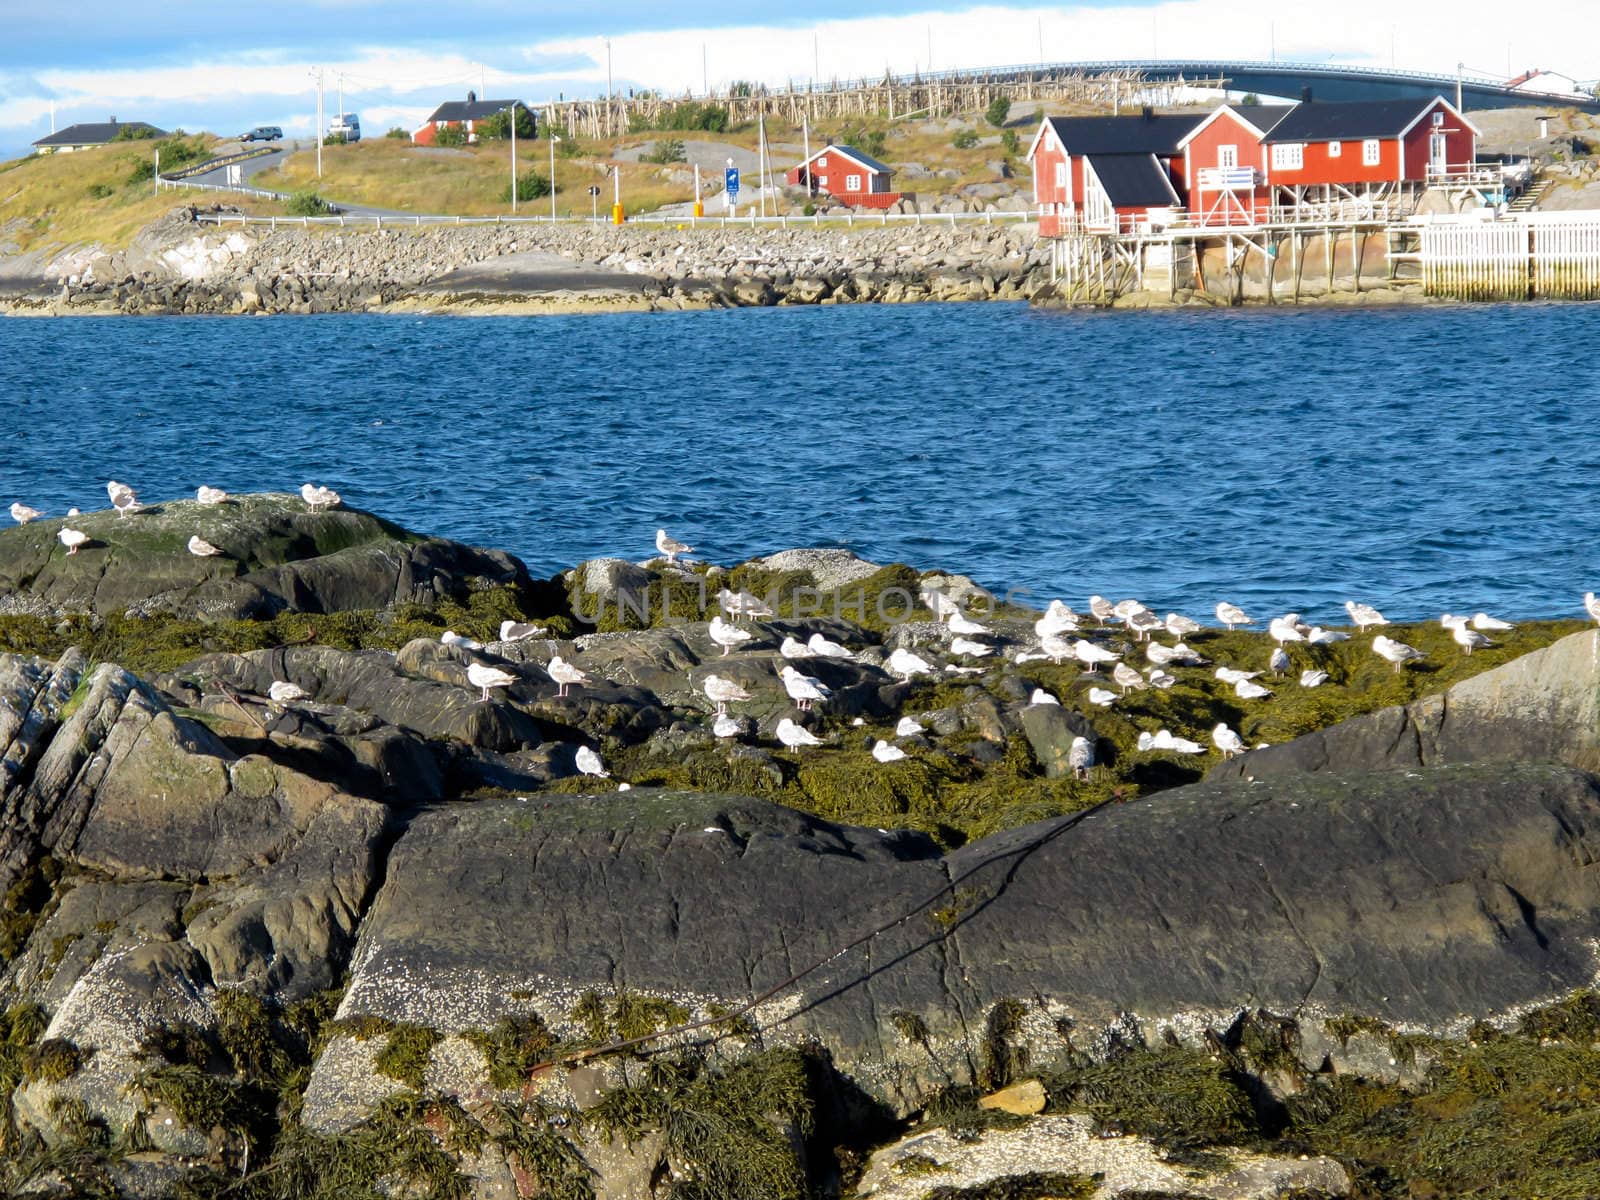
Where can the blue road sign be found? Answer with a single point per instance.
(733, 181)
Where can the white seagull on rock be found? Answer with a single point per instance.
(1126, 677)
(1396, 652)
(1102, 697)
(1591, 605)
(209, 495)
(481, 675)
(1311, 677)
(1188, 656)
(72, 538)
(1471, 639)
(1231, 675)
(451, 638)
(1163, 739)
(1055, 648)
(1161, 679)
(959, 623)
(1279, 662)
(1490, 624)
(794, 736)
(1057, 619)
(1080, 757)
(1247, 689)
(1285, 629)
(518, 631)
(671, 547)
(1325, 637)
(885, 753)
(1232, 615)
(125, 502)
(589, 763)
(284, 692)
(1091, 655)
(803, 689)
(908, 726)
(22, 514)
(319, 498)
(906, 664)
(1180, 626)
(726, 727)
(723, 691)
(1040, 696)
(1226, 740)
(970, 648)
(565, 675)
(1363, 616)
(793, 647)
(201, 548)
(1144, 623)
(727, 636)
(938, 603)
(823, 648)
(1102, 609)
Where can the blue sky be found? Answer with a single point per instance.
(227, 66)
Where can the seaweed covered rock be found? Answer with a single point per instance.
(1413, 900)
(1541, 707)
(277, 556)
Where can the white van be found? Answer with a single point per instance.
(348, 124)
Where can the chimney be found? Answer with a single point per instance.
(113, 120)
(472, 97)
(1147, 112)
(1305, 95)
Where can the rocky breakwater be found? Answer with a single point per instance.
(372, 930)
(181, 265)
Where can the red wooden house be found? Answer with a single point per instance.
(1106, 173)
(847, 175)
(1242, 163)
(463, 113)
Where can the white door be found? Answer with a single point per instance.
(1437, 154)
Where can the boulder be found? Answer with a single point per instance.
(1050, 730)
(830, 568)
(277, 556)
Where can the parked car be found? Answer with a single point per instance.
(346, 125)
(262, 133)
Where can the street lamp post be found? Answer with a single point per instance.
(553, 140)
(513, 158)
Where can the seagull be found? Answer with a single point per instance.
(794, 648)
(1470, 639)
(284, 692)
(1102, 697)
(114, 489)
(589, 763)
(22, 514)
(1279, 662)
(1229, 675)
(939, 604)
(1057, 619)
(1592, 606)
(72, 538)
(671, 547)
(480, 675)
(722, 691)
(906, 664)
(564, 674)
(451, 638)
(1396, 652)
(1163, 740)
(794, 736)
(201, 548)
(1102, 609)
(726, 727)
(1180, 626)
(518, 631)
(209, 495)
(124, 501)
(1311, 677)
(1490, 624)
(1080, 757)
(1324, 637)
(803, 689)
(725, 635)
(885, 753)
(1245, 689)
(970, 648)
(1040, 696)
(1364, 615)
(1055, 648)
(72, 512)
(1161, 679)
(753, 607)
(1091, 655)
(964, 626)
(1232, 615)
(1160, 655)
(1144, 623)
(1187, 656)
(1124, 609)
(823, 648)
(1226, 740)
(908, 726)
(319, 497)
(1126, 677)
(1282, 629)
(1451, 621)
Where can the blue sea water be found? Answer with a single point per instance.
(1419, 459)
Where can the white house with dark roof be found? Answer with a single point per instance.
(464, 113)
(100, 133)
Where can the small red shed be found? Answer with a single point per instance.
(1106, 173)
(847, 175)
(1224, 171)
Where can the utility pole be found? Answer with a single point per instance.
(705, 73)
(553, 140)
(317, 132)
(341, 93)
(608, 87)
(1459, 68)
(52, 116)
(514, 159)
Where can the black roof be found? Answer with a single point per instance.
(1133, 180)
(95, 133)
(1154, 134)
(1264, 117)
(1314, 121)
(865, 160)
(470, 109)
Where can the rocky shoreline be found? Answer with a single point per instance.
(295, 902)
(181, 266)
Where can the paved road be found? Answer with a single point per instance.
(252, 167)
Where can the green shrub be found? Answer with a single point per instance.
(1010, 142)
(497, 126)
(134, 133)
(334, 139)
(862, 137)
(964, 139)
(99, 191)
(176, 152)
(305, 204)
(668, 150)
(398, 134)
(997, 112)
(531, 185)
(450, 135)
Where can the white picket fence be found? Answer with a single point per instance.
(1555, 258)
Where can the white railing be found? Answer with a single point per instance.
(239, 189)
(1464, 175)
(847, 220)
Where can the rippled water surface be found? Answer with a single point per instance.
(1419, 459)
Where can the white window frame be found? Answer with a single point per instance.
(1438, 119)
(1335, 149)
(1371, 152)
(1288, 156)
(822, 181)
(1061, 176)
(1227, 157)
(822, 160)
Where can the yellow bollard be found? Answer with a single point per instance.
(699, 209)
(616, 214)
